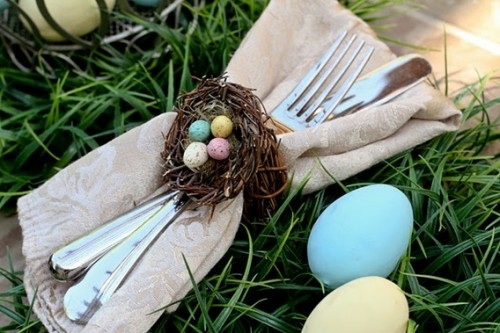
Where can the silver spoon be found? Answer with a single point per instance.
(83, 299)
(72, 260)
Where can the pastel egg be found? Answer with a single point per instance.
(219, 148)
(369, 304)
(4, 5)
(76, 17)
(147, 3)
(363, 233)
(195, 155)
(199, 130)
(221, 126)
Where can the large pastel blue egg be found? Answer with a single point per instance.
(199, 130)
(363, 233)
(147, 3)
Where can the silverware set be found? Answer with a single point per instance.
(97, 263)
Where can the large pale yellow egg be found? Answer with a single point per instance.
(77, 17)
(369, 304)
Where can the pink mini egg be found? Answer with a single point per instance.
(218, 148)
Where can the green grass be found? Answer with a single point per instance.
(451, 273)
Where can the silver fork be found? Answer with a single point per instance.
(314, 99)
(108, 254)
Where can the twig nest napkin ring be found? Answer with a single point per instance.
(219, 145)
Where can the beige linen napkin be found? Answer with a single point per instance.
(284, 42)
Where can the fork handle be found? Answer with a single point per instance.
(72, 260)
(106, 275)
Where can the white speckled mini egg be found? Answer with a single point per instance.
(363, 233)
(195, 155)
(365, 305)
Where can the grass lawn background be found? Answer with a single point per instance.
(450, 274)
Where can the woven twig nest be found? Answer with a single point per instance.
(254, 164)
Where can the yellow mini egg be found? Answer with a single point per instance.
(368, 304)
(76, 17)
(221, 127)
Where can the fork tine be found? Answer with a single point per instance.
(330, 105)
(320, 110)
(293, 102)
(320, 79)
(304, 112)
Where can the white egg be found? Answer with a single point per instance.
(363, 233)
(195, 155)
(76, 17)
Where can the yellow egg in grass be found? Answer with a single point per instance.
(78, 17)
(369, 304)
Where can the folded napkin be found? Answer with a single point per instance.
(288, 37)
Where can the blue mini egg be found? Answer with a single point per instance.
(363, 233)
(199, 130)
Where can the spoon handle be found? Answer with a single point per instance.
(106, 275)
(72, 260)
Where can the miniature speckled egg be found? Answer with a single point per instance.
(195, 155)
(369, 304)
(219, 148)
(199, 130)
(147, 3)
(363, 233)
(221, 126)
